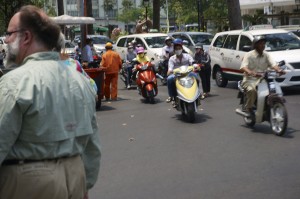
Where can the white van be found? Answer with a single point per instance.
(227, 51)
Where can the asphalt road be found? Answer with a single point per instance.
(150, 152)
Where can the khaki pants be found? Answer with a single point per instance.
(251, 94)
(61, 179)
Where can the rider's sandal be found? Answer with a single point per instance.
(169, 99)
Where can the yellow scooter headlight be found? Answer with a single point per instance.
(186, 82)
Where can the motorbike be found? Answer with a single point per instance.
(146, 81)
(124, 73)
(269, 105)
(162, 71)
(188, 92)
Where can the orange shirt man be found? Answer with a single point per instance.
(111, 63)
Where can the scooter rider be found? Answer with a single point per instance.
(177, 60)
(141, 57)
(168, 50)
(254, 62)
(129, 62)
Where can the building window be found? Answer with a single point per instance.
(112, 13)
(96, 13)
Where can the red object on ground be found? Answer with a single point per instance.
(97, 75)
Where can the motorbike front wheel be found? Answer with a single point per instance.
(150, 97)
(190, 112)
(278, 118)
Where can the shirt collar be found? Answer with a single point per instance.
(50, 55)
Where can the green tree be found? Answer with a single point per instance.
(9, 8)
(129, 13)
(257, 18)
(217, 12)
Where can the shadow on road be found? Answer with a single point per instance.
(266, 129)
(291, 90)
(199, 118)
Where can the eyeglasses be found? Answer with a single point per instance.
(8, 34)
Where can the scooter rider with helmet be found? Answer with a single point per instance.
(131, 54)
(254, 62)
(178, 59)
(141, 57)
(167, 52)
(168, 49)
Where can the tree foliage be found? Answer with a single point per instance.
(9, 7)
(257, 18)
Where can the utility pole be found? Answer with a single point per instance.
(199, 17)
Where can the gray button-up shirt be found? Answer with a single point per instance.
(47, 110)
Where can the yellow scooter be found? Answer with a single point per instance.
(188, 93)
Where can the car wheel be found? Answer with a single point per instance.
(221, 81)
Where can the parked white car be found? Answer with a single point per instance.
(227, 51)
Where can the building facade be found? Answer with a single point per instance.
(278, 12)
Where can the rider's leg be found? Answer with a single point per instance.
(251, 95)
(171, 86)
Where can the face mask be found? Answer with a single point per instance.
(178, 52)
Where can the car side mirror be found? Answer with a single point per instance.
(246, 48)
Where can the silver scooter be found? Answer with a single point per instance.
(269, 105)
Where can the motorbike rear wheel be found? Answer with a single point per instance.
(278, 118)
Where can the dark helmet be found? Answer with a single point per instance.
(258, 38)
(177, 42)
(139, 45)
(168, 39)
(199, 47)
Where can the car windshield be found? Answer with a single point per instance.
(201, 39)
(282, 41)
(155, 42)
(100, 40)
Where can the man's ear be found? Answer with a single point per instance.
(27, 37)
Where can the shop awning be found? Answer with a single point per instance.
(96, 29)
(66, 19)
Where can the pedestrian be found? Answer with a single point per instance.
(73, 63)
(78, 52)
(49, 139)
(87, 54)
(203, 58)
(111, 63)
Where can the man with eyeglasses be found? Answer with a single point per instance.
(49, 144)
